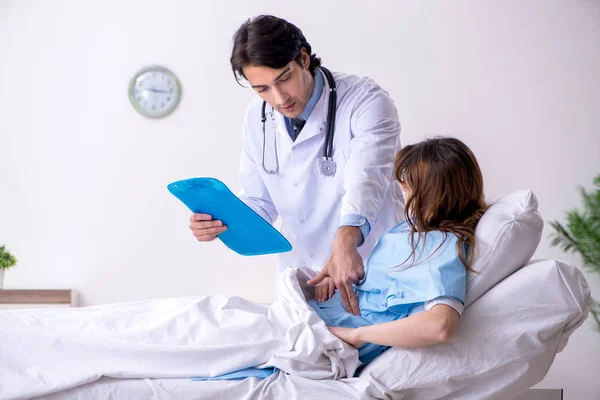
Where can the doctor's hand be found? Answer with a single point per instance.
(345, 266)
(204, 228)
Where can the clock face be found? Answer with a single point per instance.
(154, 91)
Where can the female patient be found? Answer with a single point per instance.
(412, 295)
(414, 286)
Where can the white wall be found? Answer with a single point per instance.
(83, 201)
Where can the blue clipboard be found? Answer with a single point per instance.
(247, 232)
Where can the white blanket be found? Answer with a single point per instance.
(45, 351)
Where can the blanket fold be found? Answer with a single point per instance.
(43, 351)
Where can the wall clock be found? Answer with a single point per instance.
(154, 91)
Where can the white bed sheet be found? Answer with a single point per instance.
(46, 351)
(277, 386)
(505, 344)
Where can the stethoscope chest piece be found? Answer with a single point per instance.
(327, 167)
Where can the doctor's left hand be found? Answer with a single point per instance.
(345, 266)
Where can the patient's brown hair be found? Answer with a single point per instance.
(446, 191)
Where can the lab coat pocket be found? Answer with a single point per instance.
(332, 186)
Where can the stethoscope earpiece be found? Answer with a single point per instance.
(327, 166)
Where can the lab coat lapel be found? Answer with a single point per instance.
(315, 125)
(283, 137)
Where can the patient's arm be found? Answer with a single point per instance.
(429, 327)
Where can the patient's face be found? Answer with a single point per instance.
(405, 191)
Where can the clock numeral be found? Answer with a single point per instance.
(169, 98)
(162, 105)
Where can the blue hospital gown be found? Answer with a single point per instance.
(387, 293)
(390, 291)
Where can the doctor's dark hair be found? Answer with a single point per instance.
(445, 192)
(271, 42)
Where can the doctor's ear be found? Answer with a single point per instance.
(304, 58)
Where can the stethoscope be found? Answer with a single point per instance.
(327, 165)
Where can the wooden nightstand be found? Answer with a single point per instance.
(24, 298)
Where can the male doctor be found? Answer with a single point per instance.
(334, 201)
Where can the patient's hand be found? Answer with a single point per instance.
(348, 335)
(345, 266)
(324, 290)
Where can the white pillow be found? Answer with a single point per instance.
(504, 344)
(505, 239)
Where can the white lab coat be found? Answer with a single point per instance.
(366, 140)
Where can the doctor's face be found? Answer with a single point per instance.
(286, 89)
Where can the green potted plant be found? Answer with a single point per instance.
(7, 261)
(581, 234)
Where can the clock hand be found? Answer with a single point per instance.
(156, 90)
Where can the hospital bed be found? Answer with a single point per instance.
(519, 314)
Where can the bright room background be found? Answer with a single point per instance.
(83, 198)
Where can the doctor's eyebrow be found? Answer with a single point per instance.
(285, 71)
